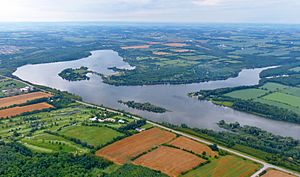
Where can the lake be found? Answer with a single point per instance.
(183, 109)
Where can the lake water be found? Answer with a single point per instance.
(190, 111)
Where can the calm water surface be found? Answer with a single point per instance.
(201, 114)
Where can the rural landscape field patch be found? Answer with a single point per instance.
(228, 166)
(276, 173)
(92, 135)
(21, 99)
(9, 112)
(191, 145)
(169, 160)
(122, 151)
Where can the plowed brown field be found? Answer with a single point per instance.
(5, 113)
(191, 145)
(175, 44)
(169, 160)
(21, 99)
(276, 173)
(122, 151)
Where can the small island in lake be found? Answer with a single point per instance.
(144, 106)
(77, 74)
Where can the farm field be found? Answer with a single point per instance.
(175, 44)
(21, 99)
(169, 160)
(247, 94)
(194, 146)
(48, 143)
(94, 136)
(274, 94)
(276, 173)
(9, 112)
(229, 165)
(284, 98)
(124, 150)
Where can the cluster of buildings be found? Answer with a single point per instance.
(111, 120)
(15, 91)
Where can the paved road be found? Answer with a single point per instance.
(265, 165)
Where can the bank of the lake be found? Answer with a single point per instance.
(183, 110)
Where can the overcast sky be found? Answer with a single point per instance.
(202, 11)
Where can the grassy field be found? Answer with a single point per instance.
(92, 135)
(273, 94)
(50, 143)
(247, 94)
(224, 167)
(270, 86)
(284, 98)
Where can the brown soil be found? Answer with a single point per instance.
(21, 99)
(169, 160)
(10, 112)
(122, 151)
(191, 145)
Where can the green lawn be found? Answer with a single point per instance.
(50, 143)
(92, 135)
(228, 166)
(247, 94)
(284, 98)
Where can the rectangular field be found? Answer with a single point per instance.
(124, 150)
(10, 112)
(276, 173)
(229, 165)
(284, 98)
(246, 94)
(21, 99)
(191, 145)
(92, 135)
(50, 143)
(169, 160)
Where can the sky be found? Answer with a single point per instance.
(176, 11)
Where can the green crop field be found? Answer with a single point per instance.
(247, 94)
(284, 98)
(270, 86)
(229, 165)
(292, 91)
(92, 135)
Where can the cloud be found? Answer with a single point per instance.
(237, 11)
(206, 2)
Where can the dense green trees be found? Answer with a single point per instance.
(16, 160)
(77, 74)
(143, 106)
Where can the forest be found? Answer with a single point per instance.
(17, 160)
